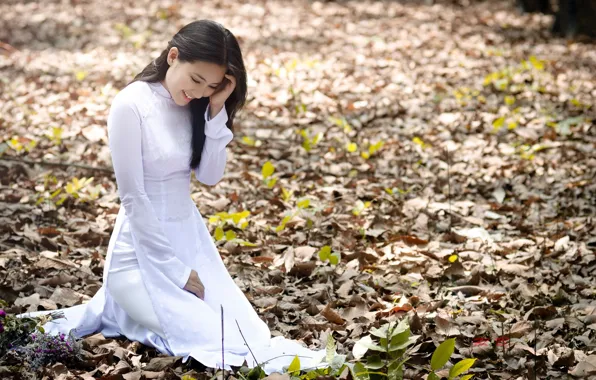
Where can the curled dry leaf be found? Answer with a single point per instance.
(332, 316)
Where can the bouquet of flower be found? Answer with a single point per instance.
(24, 340)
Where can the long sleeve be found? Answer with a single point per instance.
(151, 243)
(214, 157)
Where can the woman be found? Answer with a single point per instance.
(165, 284)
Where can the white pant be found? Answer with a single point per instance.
(129, 292)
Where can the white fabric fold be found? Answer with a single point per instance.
(124, 135)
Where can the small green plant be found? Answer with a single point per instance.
(19, 143)
(441, 357)
(326, 254)
(78, 189)
(342, 123)
(371, 149)
(267, 172)
(309, 141)
(304, 208)
(236, 220)
(390, 343)
(360, 206)
(56, 135)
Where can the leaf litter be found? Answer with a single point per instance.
(443, 153)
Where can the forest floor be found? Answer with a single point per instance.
(444, 153)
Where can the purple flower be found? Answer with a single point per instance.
(33, 336)
(1, 327)
(2, 313)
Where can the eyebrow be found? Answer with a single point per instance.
(205, 80)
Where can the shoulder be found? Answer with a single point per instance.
(135, 92)
(134, 97)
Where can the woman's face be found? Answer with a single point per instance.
(186, 81)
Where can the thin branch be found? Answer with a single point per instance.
(223, 364)
(449, 187)
(245, 342)
(59, 164)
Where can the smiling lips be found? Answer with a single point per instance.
(188, 98)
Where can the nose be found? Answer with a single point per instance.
(199, 92)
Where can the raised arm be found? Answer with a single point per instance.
(214, 157)
(150, 241)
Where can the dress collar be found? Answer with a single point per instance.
(160, 90)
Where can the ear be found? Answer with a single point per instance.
(172, 55)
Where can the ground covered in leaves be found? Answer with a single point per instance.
(444, 153)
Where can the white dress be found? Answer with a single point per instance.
(150, 144)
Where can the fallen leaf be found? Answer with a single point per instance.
(332, 316)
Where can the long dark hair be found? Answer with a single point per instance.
(208, 41)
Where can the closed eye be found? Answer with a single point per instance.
(199, 82)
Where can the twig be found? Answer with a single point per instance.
(245, 342)
(8, 47)
(535, 348)
(449, 187)
(293, 356)
(223, 364)
(60, 164)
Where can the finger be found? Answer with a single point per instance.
(231, 78)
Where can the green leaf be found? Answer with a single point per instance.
(363, 345)
(334, 258)
(256, 373)
(245, 243)
(267, 170)
(498, 123)
(461, 367)
(330, 348)
(374, 362)
(402, 326)
(467, 377)
(359, 372)
(55, 193)
(80, 75)
(324, 253)
(538, 64)
(237, 217)
(230, 235)
(338, 362)
(219, 233)
(400, 341)
(303, 203)
(396, 370)
(381, 332)
(271, 182)
(310, 375)
(432, 376)
(295, 365)
(442, 354)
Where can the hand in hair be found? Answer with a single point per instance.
(223, 92)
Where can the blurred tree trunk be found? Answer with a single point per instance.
(576, 17)
(572, 17)
(531, 6)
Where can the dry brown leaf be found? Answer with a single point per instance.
(67, 297)
(160, 363)
(332, 316)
